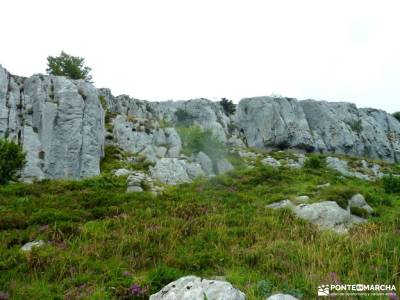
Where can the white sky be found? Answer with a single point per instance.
(181, 49)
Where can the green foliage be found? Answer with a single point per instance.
(315, 161)
(12, 160)
(228, 106)
(356, 126)
(103, 243)
(264, 288)
(397, 115)
(341, 194)
(195, 139)
(67, 65)
(115, 158)
(183, 117)
(103, 102)
(161, 276)
(358, 211)
(391, 183)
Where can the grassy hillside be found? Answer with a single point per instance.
(102, 243)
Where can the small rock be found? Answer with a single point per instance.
(327, 215)
(28, 246)
(364, 164)
(376, 170)
(358, 200)
(134, 189)
(170, 171)
(122, 172)
(223, 166)
(338, 165)
(270, 161)
(194, 170)
(302, 198)
(323, 185)
(205, 162)
(246, 154)
(281, 297)
(281, 204)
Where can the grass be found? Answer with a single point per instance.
(101, 241)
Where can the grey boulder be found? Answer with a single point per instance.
(195, 288)
(327, 215)
(358, 201)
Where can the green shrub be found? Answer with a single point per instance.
(228, 106)
(360, 212)
(315, 161)
(397, 115)
(391, 183)
(12, 160)
(67, 65)
(264, 288)
(183, 117)
(161, 276)
(356, 126)
(196, 139)
(338, 193)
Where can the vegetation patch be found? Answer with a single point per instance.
(103, 243)
(196, 139)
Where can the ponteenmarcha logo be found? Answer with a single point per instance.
(323, 290)
(356, 289)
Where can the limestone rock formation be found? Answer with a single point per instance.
(59, 122)
(195, 288)
(329, 127)
(61, 125)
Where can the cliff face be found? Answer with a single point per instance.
(60, 123)
(327, 127)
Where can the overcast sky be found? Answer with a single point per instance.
(182, 49)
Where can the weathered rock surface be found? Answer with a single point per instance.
(59, 122)
(358, 201)
(334, 127)
(205, 162)
(223, 166)
(28, 246)
(195, 288)
(325, 215)
(170, 170)
(270, 161)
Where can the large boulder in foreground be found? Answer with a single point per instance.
(195, 288)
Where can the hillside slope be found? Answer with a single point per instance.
(103, 243)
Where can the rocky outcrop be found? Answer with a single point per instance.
(195, 288)
(319, 126)
(59, 122)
